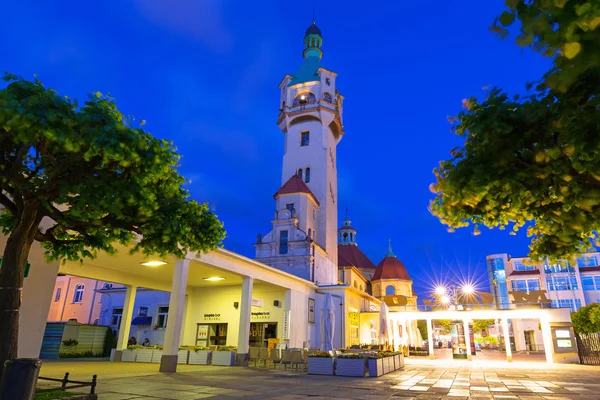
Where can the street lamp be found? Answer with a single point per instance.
(468, 289)
(440, 290)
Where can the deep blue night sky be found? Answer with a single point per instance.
(204, 73)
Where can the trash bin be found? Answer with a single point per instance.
(19, 378)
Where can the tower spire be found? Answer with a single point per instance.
(390, 253)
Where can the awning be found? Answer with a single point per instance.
(142, 321)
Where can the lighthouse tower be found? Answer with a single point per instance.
(310, 117)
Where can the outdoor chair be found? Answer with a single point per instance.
(253, 355)
(297, 359)
(263, 355)
(286, 358)
(274, 357)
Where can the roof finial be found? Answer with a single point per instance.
(390, 253)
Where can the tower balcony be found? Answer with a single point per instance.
(309, 105)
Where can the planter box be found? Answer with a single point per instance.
(144, 355)
(399, 361)
(112, 354)
(350, 367)
(388, 365)
(129, 355)
(182, 356)
(202, 357)
(320, 366)
(156, 356)
(375, 367)
(223, 358)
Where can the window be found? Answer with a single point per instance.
(117, 313)
(283, 242)
(309, 233)
(587, 261)
(567, 303)
(304, 138)
(525, 285)
(327, 97)
(521, 266)
(290, 207)
(314, 213)
(390, 290)
(57, 295)
(78, 294)
(161, 317)
(562, 266)
(590, 282)
(307, 177)
(562, 283)
(328, 81)
(300, 173)
(355, 284)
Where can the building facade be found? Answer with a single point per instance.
(75, 299)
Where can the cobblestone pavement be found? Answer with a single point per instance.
(419, 379)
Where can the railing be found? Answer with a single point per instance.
(65, 381)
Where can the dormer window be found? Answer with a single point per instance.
(304, 138)
(307, 180)
(328, 81)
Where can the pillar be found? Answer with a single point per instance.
(125, 324)
(467, 339)
(430, 339)
(244, 329)
(506, 334)
(519, 335)
(405, 337)
(168, 361)
(547, 337)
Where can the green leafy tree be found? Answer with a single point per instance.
(422, 327)
(482, 324)
(587, 319)
(444, 324)
(534, 158)
(102, 181)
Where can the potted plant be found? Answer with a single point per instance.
(320, 363)
(144, 354)
(183, 355)
(350, 364)
(157, 353)
(388, 362)
(129, 355)
(200, 355)
(225, 355)
(375, 364)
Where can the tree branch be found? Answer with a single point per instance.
(10, 206)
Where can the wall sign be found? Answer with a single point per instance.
(311, 311)
(202, 332)
(260, 315)
(212, 317)
(143, 312)
(257, 302)
(286, 325)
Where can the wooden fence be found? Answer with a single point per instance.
(588, 346)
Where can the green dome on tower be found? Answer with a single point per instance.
(313, 42)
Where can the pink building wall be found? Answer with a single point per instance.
(65, 306)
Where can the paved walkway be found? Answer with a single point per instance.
(420, 379)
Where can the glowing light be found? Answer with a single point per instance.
(445, 299)
(214, 278)
(468, 289)
(440, 290)
(303, 97)
(156, 263)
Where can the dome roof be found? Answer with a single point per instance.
(391, 268)
(313, 30)
(346, 228)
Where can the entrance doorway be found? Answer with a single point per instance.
(530, 341)
(261, 332)
(211, 335)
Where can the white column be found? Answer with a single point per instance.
(467, 339)
(244, 329)
(126, 317)
(547, 337)
(286, 329)
(405, 337)
(506, 334)
(168, 361)
(430, 339)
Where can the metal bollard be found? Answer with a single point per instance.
(19, 378)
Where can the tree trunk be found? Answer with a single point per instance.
(11, 283)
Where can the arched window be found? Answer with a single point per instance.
(307, 178)
(390, 290)
(351, 236)
(355, 284)
(78, 293)
(345, 236)
(327, 97)
(304, 98)
(300, 173)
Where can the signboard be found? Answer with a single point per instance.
(562, 333)
(353, 319)
(564, 343)
(202, 332)
(212, 317)
(286, 325)
(143, 312)
(262, 315)
(472, 339)
(372, 306)
(257, 302)
(311, 311)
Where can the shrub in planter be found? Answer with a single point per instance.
(375, 365)
(200, 355)
(144, 355)
(129, 355)
(350, 365)
(321, 363)
(224, 356)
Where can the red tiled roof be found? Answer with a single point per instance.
(532, 272)
(350, 255)
(346, 228)
(391, 268)
(589, 269)
(295, 185)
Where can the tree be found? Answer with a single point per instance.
(482, 324)
(587, 319)
(443, 324)
(422, 327)
(534, 159)
(102, 181)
